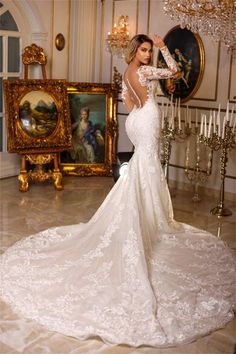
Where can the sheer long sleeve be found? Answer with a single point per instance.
(146, 72)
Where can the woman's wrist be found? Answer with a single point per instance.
(158, 41)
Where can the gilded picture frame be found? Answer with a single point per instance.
(37, 115)
(187, 49)
(93, 112)
(60, 41)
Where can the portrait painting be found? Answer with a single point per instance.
(187, 49)
(88, 123)
(38, 114)
(91, 111)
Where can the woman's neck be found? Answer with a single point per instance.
(135, 64)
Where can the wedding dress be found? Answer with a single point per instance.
(132, 274)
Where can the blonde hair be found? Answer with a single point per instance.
(134, 44)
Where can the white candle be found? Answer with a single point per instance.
(162, 106)
(196, 118)
(186, 115)
(214, 121)
(189, 119)
(218, 121)
(234, 123)
(187, 153)
(201, 126)
(219, 109)
(223, 127)
(209, 126)
(205, 125)
(219, 129)
(171, 107)
(227, 111)
(231, 116)
(162, 118)
(179, 123)
(179, 116)
(175, 111)
(172, 115)
(167, 109)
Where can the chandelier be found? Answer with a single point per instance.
(215, 18)
(118, 39)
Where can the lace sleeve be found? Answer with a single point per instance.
(146, 72)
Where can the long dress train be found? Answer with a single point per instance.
(132, 274)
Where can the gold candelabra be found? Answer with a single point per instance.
(172, 128)
(195, 174)
(223, 140)
(168, 133)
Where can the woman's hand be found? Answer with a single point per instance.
(158, 41)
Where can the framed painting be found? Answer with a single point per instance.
(38, 117)
(187, 49)
(93, 128)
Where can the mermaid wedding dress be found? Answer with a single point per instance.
(132, 274)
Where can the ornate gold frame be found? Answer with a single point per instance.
(187, 45)
(18, 140)
(111, 127)
(60, 41)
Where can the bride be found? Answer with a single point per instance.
(132, 274)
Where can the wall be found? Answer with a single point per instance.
(218, 84)
(39, 22)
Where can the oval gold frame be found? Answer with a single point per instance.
(201, 64)
(60, 41)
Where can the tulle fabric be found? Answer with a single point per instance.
(132, 274)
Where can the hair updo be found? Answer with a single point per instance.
(134, 44)
(85, 109)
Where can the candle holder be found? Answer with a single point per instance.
(175, 129)
(224, 141)
(169, 132)
(184, 132)
(196, 174)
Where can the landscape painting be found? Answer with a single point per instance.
(38, 114)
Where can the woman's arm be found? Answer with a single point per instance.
(158, 43)
(153, 73)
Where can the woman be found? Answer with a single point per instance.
(83, 141)
(132, 274)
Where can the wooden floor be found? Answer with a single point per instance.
(41, 207)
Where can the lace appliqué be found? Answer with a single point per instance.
(132, 274)
(124, 91)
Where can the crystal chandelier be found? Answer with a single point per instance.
(215, 18)
(118, 39)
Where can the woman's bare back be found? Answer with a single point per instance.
(135, 91)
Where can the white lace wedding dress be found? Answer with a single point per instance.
(131, 274)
